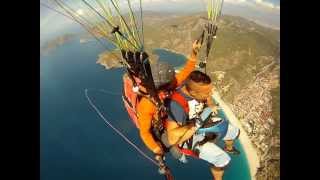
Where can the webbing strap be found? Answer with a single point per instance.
(188, 152)
(180, 100)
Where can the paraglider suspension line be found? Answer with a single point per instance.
(118, 131)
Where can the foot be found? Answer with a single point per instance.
(233, 151)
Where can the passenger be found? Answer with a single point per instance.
(188, 109)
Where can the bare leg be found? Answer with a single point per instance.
(217, 173)
(229, 146)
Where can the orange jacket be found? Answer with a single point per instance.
(146, 110)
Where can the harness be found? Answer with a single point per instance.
(211, 130)
(131, 97)
(140, 73)
(177, 97)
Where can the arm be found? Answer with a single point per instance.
(177, 134)
(146, 111)
(190, 64)
(186, 70)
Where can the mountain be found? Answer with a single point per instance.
(50, 45)
(244, 64)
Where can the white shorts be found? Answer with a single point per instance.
(232, 133)
(211, 152)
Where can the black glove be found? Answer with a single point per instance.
(128, 56)
(212, 29)
(134, 59)
(202, 64)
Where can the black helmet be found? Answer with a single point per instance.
(162, 73)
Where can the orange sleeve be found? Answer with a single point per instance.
(186, 70)
(146, 110)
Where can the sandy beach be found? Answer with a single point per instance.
(248, 147)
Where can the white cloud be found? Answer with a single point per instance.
(151, 1)
(51, 22)
(255, 3)
(235, 1)
(80, 11)
(266, 4)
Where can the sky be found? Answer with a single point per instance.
(265, 12)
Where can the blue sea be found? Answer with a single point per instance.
(76, 144)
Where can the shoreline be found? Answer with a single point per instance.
(250, 151)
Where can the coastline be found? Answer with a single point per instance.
(250, 151)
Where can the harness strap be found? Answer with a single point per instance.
(176, 96)
(188, 152)
(125, 98)
(180, 100)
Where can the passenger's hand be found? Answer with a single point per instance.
(196, 47)
(214, 109)
(212, 104)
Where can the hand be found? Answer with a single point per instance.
(212, 30)
(162, 170)
(158, 150)
(214, 110)
(214, 107)
(162, 167)
(196, 47)
(160, 159)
